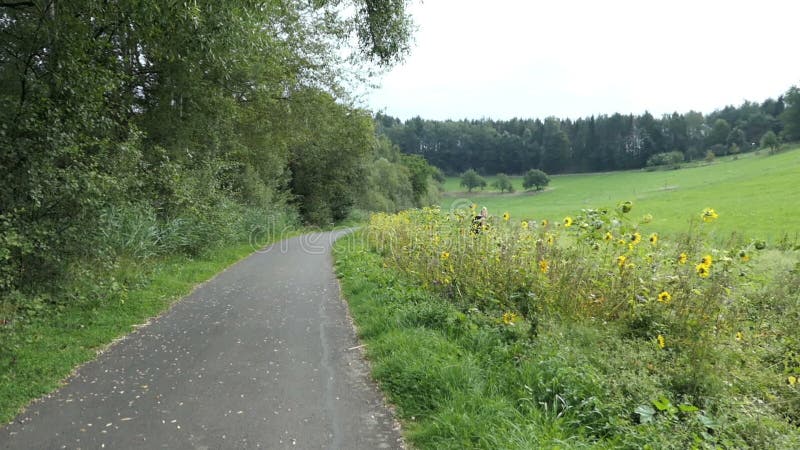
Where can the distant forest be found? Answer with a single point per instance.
(592, 144)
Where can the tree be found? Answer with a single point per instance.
(326, 164)
(470, 180)
(719, 133)
(736, 137)
(421, 173)
(791, 114)
(770, 140)
(181, 109)
(535, 178)
(503, 183)
(557, 150)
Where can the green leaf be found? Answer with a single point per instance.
(662, 403)
(645, 412)
(688, 408)
(706, 421)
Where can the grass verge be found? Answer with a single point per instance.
(462, 379)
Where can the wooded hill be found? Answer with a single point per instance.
(593, 144)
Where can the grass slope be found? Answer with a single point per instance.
(756, 194)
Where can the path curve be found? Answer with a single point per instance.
(262, 356)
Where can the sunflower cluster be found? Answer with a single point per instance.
(530, 267)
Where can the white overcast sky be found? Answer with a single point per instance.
(532, 59)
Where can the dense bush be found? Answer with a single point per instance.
(673, 159)
(503, 183)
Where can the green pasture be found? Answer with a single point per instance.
(755, 195)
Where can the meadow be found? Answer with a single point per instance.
(756, 193)
(577, 320)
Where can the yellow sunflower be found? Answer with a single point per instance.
(654, 239)
(661, 341)
(682, 258)
(524, 225)
(506, 216)
(568, 221)
(608, 236)
(707, 261)
(544, 266)
(702, 270)
(621, 260)
(510, 318)
(664, 297)
(709, 215)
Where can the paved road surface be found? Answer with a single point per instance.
(262, 356)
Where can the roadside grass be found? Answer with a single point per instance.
(462, 377)
(756, 194)
(37, 354)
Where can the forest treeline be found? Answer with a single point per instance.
(592, 144)
(138, 128)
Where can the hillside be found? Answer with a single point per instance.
(755, 193)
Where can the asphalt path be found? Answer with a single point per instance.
(262, 356)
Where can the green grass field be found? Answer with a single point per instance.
(755, 196)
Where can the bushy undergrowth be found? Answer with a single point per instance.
(594, 330)
(137, 231)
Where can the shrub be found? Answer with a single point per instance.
(770, 140)
(674, 159)
(503, 183)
